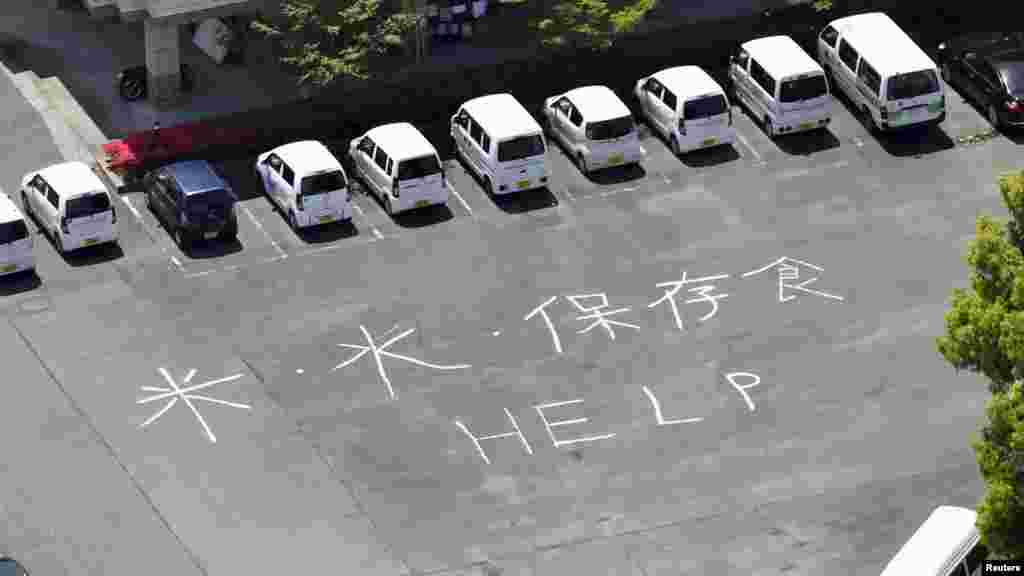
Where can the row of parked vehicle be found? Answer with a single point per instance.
(885, 76)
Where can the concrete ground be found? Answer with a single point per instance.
(224, 412)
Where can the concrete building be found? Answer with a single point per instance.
(163, 20)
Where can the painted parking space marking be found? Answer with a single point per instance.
(462, 201)
(792, 174)
(252, 217)
(749, 148)
(362, 215)
(175, 261)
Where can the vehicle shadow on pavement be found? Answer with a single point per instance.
(19, 283)
(617, 175)
(1014, 135)
(93, 255)
(212, 249)
(422, 217)
(916, 141)
(807, 143)
(522, 202)
(327, 233)
(710, 156)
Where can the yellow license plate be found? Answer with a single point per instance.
(8, 268)
(422, 203)
(709, 142)
(616, 160)
(807, 125)
(327, 218)
(524, 184)
(89, 241)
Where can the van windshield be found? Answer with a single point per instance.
(519, 148)
(800, 89)
(610, 129)
(87, 206)
(13, 231)
(323, 183)
(416, 168)
(705, 107)
(912, 85)
(216, 201)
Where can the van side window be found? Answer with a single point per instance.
(287, 174)
(760, 75)
(51, 195)
(669, 99)
(575, 117)
(485, 142)
(381, 159)
(870, 77)
(848, 55)
(475, 131)
(391, 165)
(829, 36)
(974, 559)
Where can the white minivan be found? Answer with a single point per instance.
(687, 107)
(15, 239)
(947, 544)
(595, 127)
(781, 85)
(888, 78)
(306, 182)
(499, 140)
(71, 204)
(400, 166)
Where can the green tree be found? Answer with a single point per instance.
(985, 325)
(1000, 454)
(325, 40)
(590, 24)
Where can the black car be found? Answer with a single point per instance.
(988, 68)
(193, 202)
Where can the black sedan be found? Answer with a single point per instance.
(988, 68)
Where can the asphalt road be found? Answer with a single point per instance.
(797, 432)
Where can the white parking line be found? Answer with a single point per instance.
(463, 201)
(270, 238)
(152, 235)
(791, 174)
(132, 208)
(363, 215)
(236, 267)
(747, 145)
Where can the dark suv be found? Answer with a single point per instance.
(193, 202)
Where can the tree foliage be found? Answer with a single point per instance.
(325, 40)
(985, 326)
(1000, 454)
(590, 24)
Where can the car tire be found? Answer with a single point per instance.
(674, 143)
(181, 239)
(869, 120)
(488, 187)
(132, 87)
(27, 206)
(387, 206)
(58, 242)
(993, 116)
(946, 73)
(230, 233)
(581, 161)
(769, 127)
(293, 220)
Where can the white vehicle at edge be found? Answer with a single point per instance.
(15, 239)
(595, 127)
(687, 107)
(400, 166)
(306, 182)
(501, 143)
(946, 544)
(784, 89)
(71, 204)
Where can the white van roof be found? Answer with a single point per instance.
(502, 116)
(687, 81)
(781, 57)
(9, 211)
(307, 156)
(402, 141)
(71, 179)
(883, 43)
(945, 536)
(597, 103)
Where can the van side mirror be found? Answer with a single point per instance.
(942, 46)
(732, 59)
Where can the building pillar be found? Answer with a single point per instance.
(163, 62)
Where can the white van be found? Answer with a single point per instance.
(306, 182)
(886, 76)
(595, 127)
(15, 239)
(947, 544)
(502, 143)
(400, 166)
(71, 204)
(687, 106)
(781, 85)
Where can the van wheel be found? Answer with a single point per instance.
(869, 119)
(947, 75)
(292, 220)
(58, 242)
(180, 239)
(675, 145)
(582, 163)
(488, 187)
(387, 206)
(993, 116)
(28, 207)
(769, 128)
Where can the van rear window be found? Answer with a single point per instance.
(800, 89)
(705, 107)
(421, 167)
(323, 183)
(610, 129)
(87, 206)
(217, 201)
(13, 231)
(912, 85)
(519, 148)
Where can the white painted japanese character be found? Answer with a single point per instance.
(789, 269)
(547, 321)
(598, 314)
(704, 294)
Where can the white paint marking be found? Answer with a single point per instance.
(496, 333)
(176, 393)
(372, 227)
(299, 371)
(749, 148)
(658, 415)
(858, 142)
(743, 389)
(462, 200)
(252, 217)
(476, 440)
(549, 425)
(177, 263)
(132, 209)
